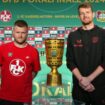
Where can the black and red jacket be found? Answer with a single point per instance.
(86, 51)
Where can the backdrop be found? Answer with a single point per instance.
(46, 18)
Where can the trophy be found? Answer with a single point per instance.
(54, 53)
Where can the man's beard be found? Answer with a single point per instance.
(86, 23)
(20, 42)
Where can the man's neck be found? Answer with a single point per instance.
(88, 27)
(20, 45)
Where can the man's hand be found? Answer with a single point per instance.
(34, 74)
(84, 81)
(86, 84)
(88, 88)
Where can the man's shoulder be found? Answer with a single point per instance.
(32, 48)
(6, 44)
(99, 28)
(74, 33)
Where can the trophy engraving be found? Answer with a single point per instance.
(54, 54)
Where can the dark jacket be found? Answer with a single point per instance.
(86, 51)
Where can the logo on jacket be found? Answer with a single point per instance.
(95, 39)
(17, 67)
(78, 43)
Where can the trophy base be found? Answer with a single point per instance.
(54, 80)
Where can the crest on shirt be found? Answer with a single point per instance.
(10, 54)
(17, 67)
(95, 39)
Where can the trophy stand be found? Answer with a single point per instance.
(49, 95)
(54, 78)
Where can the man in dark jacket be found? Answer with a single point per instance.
(86, 59)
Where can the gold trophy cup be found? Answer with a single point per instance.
(54, 54)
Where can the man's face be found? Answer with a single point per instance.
(86, 15)
(20, 34)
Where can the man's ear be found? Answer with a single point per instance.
(13, 32)
(93, 14)
(79, 16)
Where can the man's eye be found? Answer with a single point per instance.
(23, 32)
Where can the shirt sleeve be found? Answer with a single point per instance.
(36, 61)
(70, 54)
(1, 55)
(103, 52)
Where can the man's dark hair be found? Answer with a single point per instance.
(85, 5)
(21, 23)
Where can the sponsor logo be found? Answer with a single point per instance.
(78, 43)
(10, 54)
(5, 16)
(100, 16)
